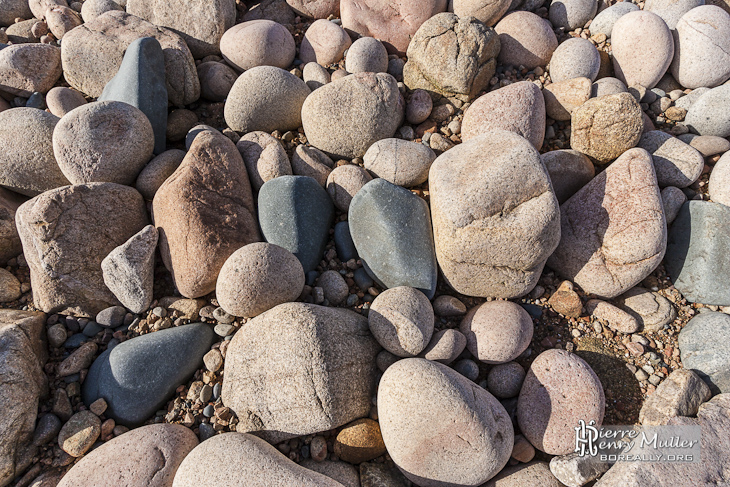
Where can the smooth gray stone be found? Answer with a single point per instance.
(704, 348)
(604, 21)
(391, 228)
(343, 242)
(697, 253)
(139, 376)
(140, 82)
(710, 113)
(296, 213)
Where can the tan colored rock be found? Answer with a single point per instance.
(560, 388)
(267, 44)
(497, 331)
(91, 9)
(344, 182)
(201, 24)
(606, 127)
(518, 108)
(534, 473)
(149, 456)
(359, 441)
(315, 9)
(242, 459)
(613, 229)
(439, 427)
(61, 20)
(617, 319)
(445, 346)
(189, 309)
(257, 277)
(493, 243)
(10, 245)
(9, 287)
(62, 100)
(526, 40)
(80, 359)
(566, 301)
(324, 42)
(157, 171)
(27, 68)
(312, 162)
(39, 7)
(79, 433)
(204, 213)
(264, 156)
(569, 171)
(523, 451)
(92, 54)
(342, 472)
(401, 319)
(22, 382)
(563, 97)
(680, 394)
(451, 56)
(394, 24)
(486, 11)
(299, 369)
(65, 264)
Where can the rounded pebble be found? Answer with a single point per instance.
(497, 331)
(401, 319)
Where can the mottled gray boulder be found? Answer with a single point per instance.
(12, 9)
(399, 161)
(129, 270)
(439, 427)
(697, 251)
(495, 215)
(22, 383)
(676, 163)
(242, 459)
(680, 394)
(299, 369)
(347, 116)
(65, 263)
(27, 163)
(710, 114)
(93, 52)
(200, 24)
(451, 56)
(613, 229)
(672, 201)
(703, 346)
(366, 55)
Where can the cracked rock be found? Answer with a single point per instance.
(681, 394)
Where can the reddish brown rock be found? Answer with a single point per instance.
(559, 389)
(566, 301)
(613, 232)
(204, 212)
(393, 24)
(148, 456)
(65, 263)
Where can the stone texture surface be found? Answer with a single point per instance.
(394, 24)
(644, 66)
(439, 427)
(10, 245)
(312, 162)
(708, 115)
(129, 269)
(347, 116)
(569, 171)
(696, 252)
(27, 68)
(235, 458)
(613, 229)
(65, 264)
(22, 357)
(200, 24)
(79, 433)
(571, 14)
(518, 108)
(82, 143)
(672, 201)
(676, 163)
(610, 85)
(703, 346)
(712, 470)
(216, 80)
(299, 369)
(702, 44)
(719, 184)
(399, 161)
(316, 9)
(451, 56)
(147, 456)
(61, 19)
(487, 11)
(264, 156)
(401, 319)
(497, 331)
(680, 394)
(575, 58)
(137, 377)
(574, 470)
(204, 212)
(359, 441)
(257, 277)
(344, 182)
(525, 39)
(157, 171)
(62, 100)
(445, 346)
(342, 472)
(559, 389)
(533, 473)
(481, 250)
(564, 97)
(12, 9)
(277, 10)
(93, 53)
(296, 214)
(268, 44)
(366, 55)
(91, 9)
(324, 43)
(652, 310)
(606, 127)
(616, 318)
(505, 380)
(391, 229)
(266, 98)
(28, 164)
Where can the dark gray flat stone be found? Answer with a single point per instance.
(698, 246)
(137, 377)
(296, 213)
(391, 228)
(343, 242)
(704, 345)
(140, 82)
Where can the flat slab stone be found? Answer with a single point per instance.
(391, 228)
(697, 250)
(703, 346)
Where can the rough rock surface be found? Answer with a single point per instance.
(496, 222)
(300, 369)
(204, 212)
(27, 68)
(681, 394)
(65, 264)
(613, 229)
(703, 346)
